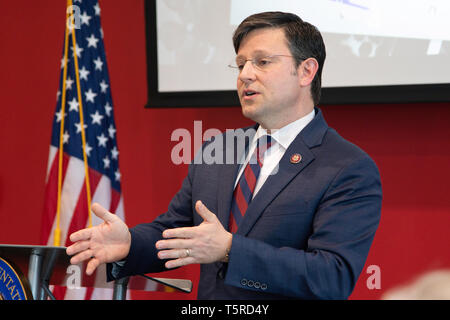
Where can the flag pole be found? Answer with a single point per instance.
(57, 232)
(83, 135)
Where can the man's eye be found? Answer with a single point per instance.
(262, 62)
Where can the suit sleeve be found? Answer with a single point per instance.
(343, 229)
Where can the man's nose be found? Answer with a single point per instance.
(248, 72)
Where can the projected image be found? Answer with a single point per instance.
(380, 42)
(370, 44)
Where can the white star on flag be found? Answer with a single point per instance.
(58, 116)
(108, 109)
(104, 86)
(111, 131)
(97, 9)
(85, 18)
(78, 126)
(114, 153)
(98, 64)
(73, 105)
(90, 95)
(92, 41)
(78, 50)
(88, 149)
(102, 139)
(84, 73)
(97, 118)
(106, 162)
(69, 83)
(66, 137)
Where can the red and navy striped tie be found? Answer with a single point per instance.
(243, 193)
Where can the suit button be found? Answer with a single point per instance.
(257, 285)
(244, 282)
(263, 286)
(250, 283)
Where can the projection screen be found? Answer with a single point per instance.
(378, 51)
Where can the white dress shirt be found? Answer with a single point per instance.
(281, 139)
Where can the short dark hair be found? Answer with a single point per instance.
(304, 40)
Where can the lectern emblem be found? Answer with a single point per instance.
(13, 285)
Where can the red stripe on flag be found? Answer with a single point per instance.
(59, 292)
(89, 292)
(51, 195)
(115, 199)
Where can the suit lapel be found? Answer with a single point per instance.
(309, 137)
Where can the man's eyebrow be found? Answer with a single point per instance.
(254, 53)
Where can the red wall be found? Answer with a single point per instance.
(409, 142)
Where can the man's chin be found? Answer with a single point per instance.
(250, 111)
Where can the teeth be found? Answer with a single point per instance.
(249, 93)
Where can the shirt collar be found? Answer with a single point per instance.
(285, 135)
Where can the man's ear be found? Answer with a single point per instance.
(307, 71)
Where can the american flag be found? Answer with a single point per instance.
(100, 144)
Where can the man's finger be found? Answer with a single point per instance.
(102, 213)
(80, 235)
(77, 247)
(174, 253)
(179, 262)
(204, 212)
(82, 256)
(186, 232)
(174, 244)
(92, 265)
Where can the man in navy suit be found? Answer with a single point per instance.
(297, 224)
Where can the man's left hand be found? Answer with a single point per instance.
(206, 243)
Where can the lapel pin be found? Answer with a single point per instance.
(296, 158)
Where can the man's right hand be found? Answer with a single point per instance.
(107, 242)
